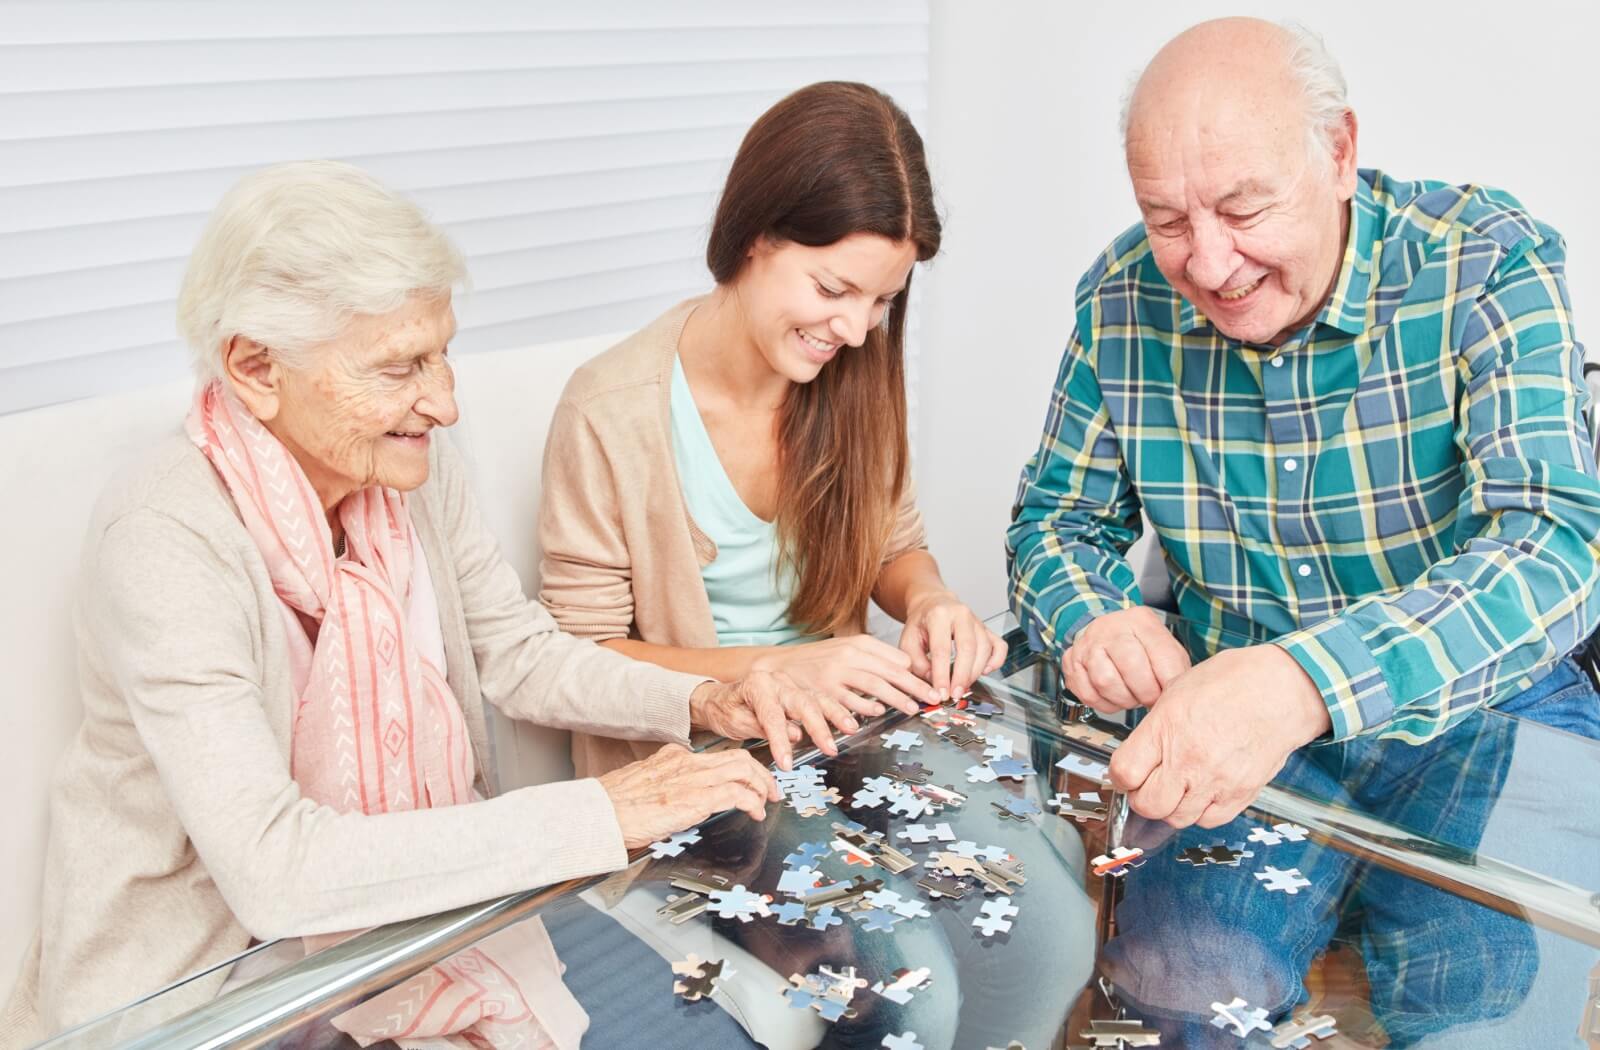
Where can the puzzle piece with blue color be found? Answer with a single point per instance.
(921, 834)
(1240, 1017)
(737, 903)
(1017, 808)
(995, 916)
(1288, 881)
(674, 844)
(903, 1041)
(901, 740)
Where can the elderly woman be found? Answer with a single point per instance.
(290, 619)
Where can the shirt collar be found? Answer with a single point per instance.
(1346, 308)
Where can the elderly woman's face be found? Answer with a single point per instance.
(360, 412)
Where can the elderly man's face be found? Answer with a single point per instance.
(360, 412)
(1243, 220)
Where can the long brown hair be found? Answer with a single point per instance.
(830, 160)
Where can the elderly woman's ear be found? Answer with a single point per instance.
(255, 375)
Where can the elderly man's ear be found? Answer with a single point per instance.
(255, 374)
(1344, 156)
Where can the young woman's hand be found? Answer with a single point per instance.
(842, 668)
(948, 644)
(772, 706)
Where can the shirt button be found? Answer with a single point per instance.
(1291, 465)
(1305, 570)
(1277, 362)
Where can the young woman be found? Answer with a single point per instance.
(726, 490)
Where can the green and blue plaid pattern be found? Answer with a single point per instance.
(1403, 495)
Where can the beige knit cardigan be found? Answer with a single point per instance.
(176, 833)
(621, 554)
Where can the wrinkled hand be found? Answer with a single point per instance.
(948, 644)
(1217, 735)
(767, 704)
(1122, 660)
(841, 668)
(676, 788)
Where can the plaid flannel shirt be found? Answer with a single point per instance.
(1403, 495)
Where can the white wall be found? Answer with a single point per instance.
(574, 151)
(1023, 102)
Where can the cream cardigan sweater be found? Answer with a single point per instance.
(621, 555)
(176, 832)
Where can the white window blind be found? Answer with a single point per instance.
(573, 151)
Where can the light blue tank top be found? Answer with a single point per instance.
(749, 602)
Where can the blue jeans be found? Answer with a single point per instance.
(1442, 969)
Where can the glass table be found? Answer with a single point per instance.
(968, 879)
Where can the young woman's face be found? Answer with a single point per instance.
(804, 306)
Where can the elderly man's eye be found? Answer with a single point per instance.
(1245, 219)
(1173, 228)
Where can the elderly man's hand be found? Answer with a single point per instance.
(770, 705)
(1123, 659)
(1217, 735)
(676, 788)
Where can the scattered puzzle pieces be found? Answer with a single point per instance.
(996, 854)
(738, 903)
(1014, 768)
(826, 991)
(905, 907)
(674, 844)
(1017, 808)
(995, 916)
(789, 913)
(905, 984)
(962, 736)
(1288, 881)
(937, 886)
(1084, 767)
(921, 834)
(1296, 1034)
(1217, 853)
(1279, 833)
(901, 740)
(908, 772)
(1086, 805)
(1119, 862)
(797, 882)
(998, 747)
(1239, 1016)
(700, 977)
(877, 921)
(807, 854)
(1120, 1034)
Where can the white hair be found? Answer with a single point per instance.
(293, 252)
(1322, 88)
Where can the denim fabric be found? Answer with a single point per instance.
(1440, 966)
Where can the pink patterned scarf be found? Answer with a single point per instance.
(376, 728)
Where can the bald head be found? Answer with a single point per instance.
(1269, 77)
(1241, 152)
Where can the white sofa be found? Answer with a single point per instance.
(53, 463)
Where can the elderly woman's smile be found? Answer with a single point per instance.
(357, 410)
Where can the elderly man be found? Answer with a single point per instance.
(290, 621)
(1352, 408)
